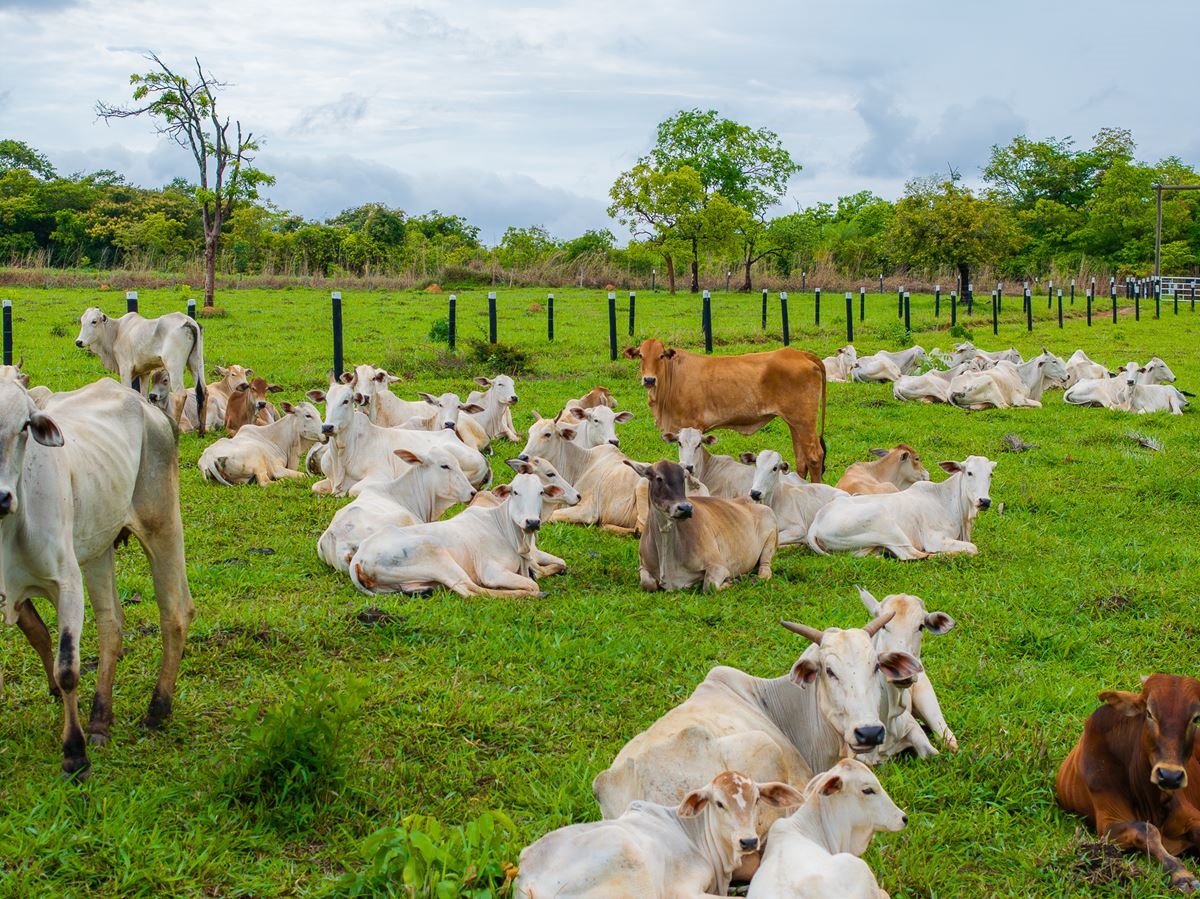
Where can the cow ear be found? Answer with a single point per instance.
(470, 408)
(221, 370)
(669, 354)
(869, 600)
(830, 785)
(694, 802)
(952, 467)
(317, 396)
(347, 377)
(567, 433)
(671, 437)
(898, 667)
(103, 317)
(748, 458)
(708, 439)
(640, 467)
(274, 388)
(552, 490)
(938, 623)
(783, 466)
(44, 430)
(249, 372)
(574, 413)
(1128, 704)
(632, 352)
(904, 456)
(503, 490)
(520, 466)
(428, 397)
(780, 795)
(408, 456)
(360, 400)
(622, 417)
(287, 407)
(804, 672)
(483, 382)
(879, 452)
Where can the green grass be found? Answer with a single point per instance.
(1087, 580)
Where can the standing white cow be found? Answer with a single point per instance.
(926, 518)
(654, 850)
(134, 347)
(814, 852)
(96, 466)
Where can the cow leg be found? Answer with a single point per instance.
(495, 577)
(66, 672)
(38, 635)
(164, 549)
(100, 576)
(1144, 837)
(948, 545)
(770, 547)
(716, 577)
(809, 451)
(547, 564)
(927, 708)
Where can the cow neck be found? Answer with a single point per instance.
(966, 509)
(815, 820)
(414, 490)
(105, 347)
(1031, 377)
(569, 458)
(515, 538)
(718, 854)
(669, 536)
(659, 396)
(797, 712)
(283, 434)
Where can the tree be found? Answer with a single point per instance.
(186, 112)
(940, 222)
(748, 169)
(15, 154)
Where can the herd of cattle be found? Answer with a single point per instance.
(699, 799)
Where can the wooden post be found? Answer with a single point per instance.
(783, 312)
(492, 317)
(612, 325)
(706, 319)
(336, 298)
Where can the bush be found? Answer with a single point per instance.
(298, 748)
(422, 857)
(439, 331)
(502, 358)
(961, 333)
(894, 334)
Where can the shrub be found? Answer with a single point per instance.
(894, 334)
(961, 333)
(439, 331)
(499, 357)
(422, 857)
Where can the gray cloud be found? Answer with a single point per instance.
(37, 6)
(344, 111)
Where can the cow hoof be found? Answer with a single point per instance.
(98, 739)
(76, 770)
(1185, 882)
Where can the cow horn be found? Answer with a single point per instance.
(804, 631)
(875, 626)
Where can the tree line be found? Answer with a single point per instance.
(704, 201)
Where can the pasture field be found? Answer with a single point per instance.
(1087, 578)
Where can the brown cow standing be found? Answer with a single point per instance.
(743, 392)
(1134, 774)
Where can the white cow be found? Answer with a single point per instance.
(837, 366)
(358, 449)
(794, 505)
(1141, 398)
(1106, 391)
(904, 706)
(654, 850)
(479, 552)
(926, 518)
(722, 475)
(264, 453)
(452, 414)
(874, 369)
(95, 466)
(932, 386)
(497, 401)
(432, 484)
(827, 707)
(908, 360)
(891, 471)
(1007, 384)
(814, 852)
(593, 426)
(1079, 367)
(966, 351)
(134, 347)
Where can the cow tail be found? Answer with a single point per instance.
(214, 473)
(195, 364)
(824, 396)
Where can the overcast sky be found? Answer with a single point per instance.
(525, 113)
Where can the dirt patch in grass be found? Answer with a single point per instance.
(1099, 863)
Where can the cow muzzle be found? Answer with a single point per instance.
(78, 342)
(984, 502)
(448, 425)
(327, 429)
(868, 737)
(1169, 777)
(646, 381)
(756, 495)
(532, 525)
(748, 844)
(615, 442)
(681, 510)
(8, 502)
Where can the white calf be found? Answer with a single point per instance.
(497, 401)
(795, 505)
(874, 369)
(837, 366)
(264, 453)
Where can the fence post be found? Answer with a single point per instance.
(1028, 308)
(728, 277)
(1157, 298)
(1060, 307)
(336, 298)
(907, 325)
(937, 301)
(881, 283)
(550, 317)
(191, 306)
(1049, 295)
(970, 298)
(803, 281)
(131, 301)
(1089, 304)
(1072, 291)
(706, 319)
(764, 309)
(849, 317)
(862, 304)
(632, 308)
(1112, 287)
(817, 294)
(7, 316)
(492, 317)
(953, 308)
(783, 312)
(900, 303)
(452, 322)
(1000, 296)
(612, 325)
(653, 275)
(995, 314)
(1137, 303)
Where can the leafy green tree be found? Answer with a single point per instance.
(939, 222)
(522, 247)
(185, 111)
(592, 243)
(653, 203)
(15, 154)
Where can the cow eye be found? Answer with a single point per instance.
(970, 474)
(829, 673)
(551, 475)
(869, 791)
(445, 468)
(720, 805)
(1195, 720)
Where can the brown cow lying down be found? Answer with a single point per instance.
(1134, 775)
(690, 540)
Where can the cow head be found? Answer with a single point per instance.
(259, 388)
(442, 473)
(19, 419)
(668, 487)
(768, 467)
(976, 483)
(1052, 369)
(655, 359)
(545, 439)
(1157, 372)
(311, 430)
(908, 465)
(235, 377)
(14, 373)
(909, 621)
(501, 387)
(596, 425)
(729, 806)
(852, 806)
(340, 403)
(525, 497)
(370, 381)
(1170, 710)
(159, 392)
(841, 666)
(690, 440)
(447, 408)
(91, 325)
(548, 475)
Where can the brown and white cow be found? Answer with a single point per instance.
(1134, 774)
(654, 850)
(94, 467)
(249, 405)
(687, 390)
(134, 347)
(700, 540)
(892, 471)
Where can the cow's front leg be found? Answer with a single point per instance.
(496, 577)
(1145, 838)
(648, 581)
(948, 545)
(716, 577)
(69, 604)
